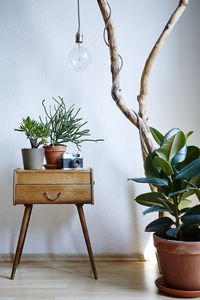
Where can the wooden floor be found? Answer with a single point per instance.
(73, 280)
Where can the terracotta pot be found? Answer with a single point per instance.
(53, 154)
(179, 262)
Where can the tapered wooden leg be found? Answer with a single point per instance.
(21, 240)
(87, 239)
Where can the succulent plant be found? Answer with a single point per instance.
(35, 131)
(65, 125)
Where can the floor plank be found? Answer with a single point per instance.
(73, 281)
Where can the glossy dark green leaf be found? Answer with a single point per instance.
(158, 225)
(192, 154)
(158, 137)
(150, 170)
(190, 232)
(164, 165)
(182, 191)
(181, 154)
(154, 181)
(156, 208)
(192, 216)
(169, 134)
(173, 232)
(172, 146)
(152, 198)
(196, 181)
(190, 171)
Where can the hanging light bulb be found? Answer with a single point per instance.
(79, 58)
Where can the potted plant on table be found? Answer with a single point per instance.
(174, 169)
(37, 133)
(65, 126)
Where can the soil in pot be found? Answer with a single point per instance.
(33, 158)
(179, 262)
(53, 154)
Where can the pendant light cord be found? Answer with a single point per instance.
(78, 10)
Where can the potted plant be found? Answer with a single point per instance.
(65, 126)
(37, 133)
(174, 169)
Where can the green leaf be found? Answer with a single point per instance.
(158, 137)
(154, 181)
(190, 171)
(155, 208)
(150, 170)
(192, 154)
(159, 225)
(184, 203)
(196, 181)
(180, 156)
(164, 165)
(172, 146)
(190, 232)
(192, 216)
(182, 191)
(188, 134)
(197, 192)
(152, 198)
(173, 232)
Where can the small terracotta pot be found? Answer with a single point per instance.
(53, 154)
(179, 262)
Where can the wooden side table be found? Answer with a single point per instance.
(72, 186)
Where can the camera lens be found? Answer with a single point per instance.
(75, 163)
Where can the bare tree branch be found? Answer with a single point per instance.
(138, 120)
(117, 95)
(153, 54)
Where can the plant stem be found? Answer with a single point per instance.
(176, 210)
(175, 199)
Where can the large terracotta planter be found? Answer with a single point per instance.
(53, 155)
(179, 262)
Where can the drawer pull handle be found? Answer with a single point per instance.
(53, 199)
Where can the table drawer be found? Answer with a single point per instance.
(53, 194)
(70, 176)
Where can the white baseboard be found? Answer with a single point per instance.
(74, 257)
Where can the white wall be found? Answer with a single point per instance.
(35, 39)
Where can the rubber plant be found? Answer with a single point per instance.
(173, 168)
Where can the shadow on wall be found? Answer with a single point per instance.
(50, 224)
(135, 220)
(143, 241)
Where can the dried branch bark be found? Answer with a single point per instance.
(153, 54)
(140, 120)
(117, 95)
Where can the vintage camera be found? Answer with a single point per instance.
(70, 160)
